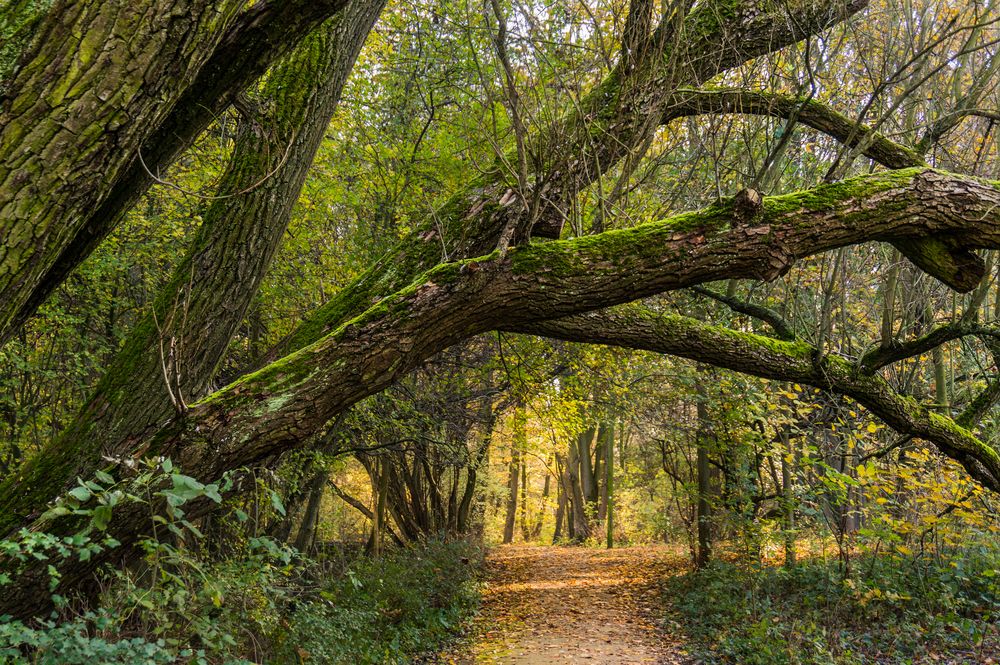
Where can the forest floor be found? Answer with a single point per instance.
(572, 604)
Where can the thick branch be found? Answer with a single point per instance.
(957, 268)
(808, 112)
(610, 122)
(945, 259)
(266, 412)
(896, 351)
(781, 361)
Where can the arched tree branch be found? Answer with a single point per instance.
(768, 358)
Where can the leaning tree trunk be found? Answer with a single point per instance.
(110, 92)
(610, 123)
(170, 357)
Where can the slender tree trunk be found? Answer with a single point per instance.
(940, 373)
(523, 507)
(889, 288)
(579, 526)
(788, 497)
(704, 471)
(378, 520)
(560, 499)
(588, 483)
(609, 482)
(306, 538)
(453, 500)
(513, 474)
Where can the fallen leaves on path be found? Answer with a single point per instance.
(572, 604)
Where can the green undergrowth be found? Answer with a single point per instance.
(259, 601)
(258, 608)
(386, 610)
(892, 610)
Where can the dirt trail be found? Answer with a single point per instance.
(572, 604)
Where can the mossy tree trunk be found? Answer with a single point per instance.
(170, 358)
(610, 123)
(107, 94)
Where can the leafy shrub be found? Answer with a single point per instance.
(184, 608)
(73, 642)
(261, 603)
(386, 610)
(894, 610)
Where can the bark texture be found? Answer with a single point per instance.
(112, 92)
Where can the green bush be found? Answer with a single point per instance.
(73, 643)
(386, 610)
(182, 608)
(893, 610)
(260, 603)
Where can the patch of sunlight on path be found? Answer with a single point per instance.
(572, 605)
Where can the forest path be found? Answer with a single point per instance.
(573, 604)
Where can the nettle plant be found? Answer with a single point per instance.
(184, 606)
